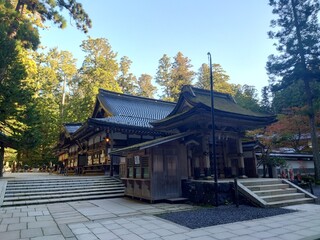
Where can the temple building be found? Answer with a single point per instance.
(153, 145)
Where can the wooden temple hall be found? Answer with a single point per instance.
(153, 145)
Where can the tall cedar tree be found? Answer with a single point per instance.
(127, 81)
(298, 35)
(146, 89)
(99, 70)
(265, 103)
(16, 107)
(181, 74)
(163, 76)
(54, 68)
(18, 32)
(220, 79)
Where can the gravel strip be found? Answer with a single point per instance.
(205, 217)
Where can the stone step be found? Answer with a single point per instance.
(66, 195)
(39, 190)
(275, 192)
(261, 182)
(283, 197)
(268, 187)
(22, 192)
(23, 183)
(290, 202)
(62, 191)
(61, 185)
(53, 189)
(62, 182)
(57, 200)
(62, 179)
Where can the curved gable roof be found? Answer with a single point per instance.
(222, 102)
(192, 100)
(118, 104)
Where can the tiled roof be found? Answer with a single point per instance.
(248, 146)
(124, 120)
(193, 101)
(72, 127)
(133, 110)
(222, 102)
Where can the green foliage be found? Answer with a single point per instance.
(28, 110)
(14, 93)
(247, 97)
(294, 96)
(265, 159)
(54, 68)
(50, 11)
(14, 27)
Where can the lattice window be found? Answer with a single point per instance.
(130, 167)
(145, 167)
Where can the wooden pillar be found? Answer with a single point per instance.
(1, 158)
(241, 170)
(255, 164)
(206, 156)
(227, 168)
(189, 159)
(111, 148)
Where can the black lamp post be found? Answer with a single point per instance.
(213, 159)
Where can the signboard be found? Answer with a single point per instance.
(136, 160)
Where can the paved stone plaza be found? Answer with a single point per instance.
(127, 219)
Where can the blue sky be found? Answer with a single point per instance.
(235, 32)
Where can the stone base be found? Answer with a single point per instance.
(241, 172)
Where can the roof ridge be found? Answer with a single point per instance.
(121, 115)
(101, 90)
(220, 94)
(73, 123)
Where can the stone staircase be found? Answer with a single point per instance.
(62, 189)
(274, 192)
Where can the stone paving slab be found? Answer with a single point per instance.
(144, 227)
(124, 218)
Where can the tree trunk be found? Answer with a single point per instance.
(1, 158)
(315, 148)
(19, 6)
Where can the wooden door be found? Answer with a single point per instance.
(171, 173)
